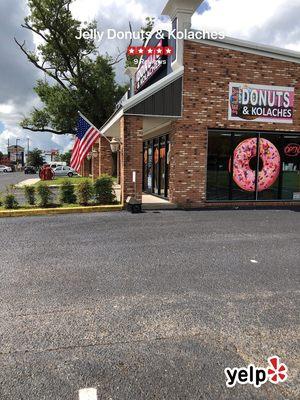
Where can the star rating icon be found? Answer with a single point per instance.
(150, 50)
(131, 51)
(168, 51)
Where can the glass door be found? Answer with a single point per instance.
(155, 166)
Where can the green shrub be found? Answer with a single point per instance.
(84, 192)
(103, 189)
(67, 193)
(44, 194)
(10, 201)
(29, 192)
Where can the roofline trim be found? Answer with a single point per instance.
(252, 47)
(110, 122)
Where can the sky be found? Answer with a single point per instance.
(273, 22)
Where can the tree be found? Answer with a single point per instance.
(78, 77)
(1, 155)
(35, 158)
(133, 61)
(66, 157)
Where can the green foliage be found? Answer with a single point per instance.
(35, 158)
(84, 192)
(103, 190)
(150, 21)
(66, 157)
(80, 78)
(10, 201)
(45, 195)
(29, 192)
(134, 61)
(67, 193)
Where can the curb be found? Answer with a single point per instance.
(53, 211)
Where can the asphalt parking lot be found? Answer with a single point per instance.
(150, 306)
(11, 178)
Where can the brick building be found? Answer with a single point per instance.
(218, 122)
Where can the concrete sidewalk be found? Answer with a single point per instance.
(27, 182)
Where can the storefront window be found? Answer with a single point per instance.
(218, 176)
(290, 179)
(237, 171)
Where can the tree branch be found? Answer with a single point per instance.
(49, 130)
(34, 62)
(30, 28)
(118, 58)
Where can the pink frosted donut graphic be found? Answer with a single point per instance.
(244, 175)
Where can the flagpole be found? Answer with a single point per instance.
(102, 134)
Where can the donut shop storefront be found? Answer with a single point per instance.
(218, 123)
(255, 165)
(237, 172)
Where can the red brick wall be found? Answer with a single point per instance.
(208, 72)
(96, 159)
(85, 169)
(106, 161)
(102, 163)
(131, 135)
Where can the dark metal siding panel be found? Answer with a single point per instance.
(168, 101)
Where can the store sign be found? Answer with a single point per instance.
(292, 150)
(149, 66)
(258, 103)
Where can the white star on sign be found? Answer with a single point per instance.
(141, 51)
(159, 51)
(150, 51)
(131, 51)
(168, 51)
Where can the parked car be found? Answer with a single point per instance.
(55, 164)
(4, 168)
(65, 171)
(29, 169)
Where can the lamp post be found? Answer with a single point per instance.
(91, 155)
(115, 149)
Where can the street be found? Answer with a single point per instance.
(148, 306)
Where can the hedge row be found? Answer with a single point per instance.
(100, 193)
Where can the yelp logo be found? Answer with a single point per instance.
(276, 372)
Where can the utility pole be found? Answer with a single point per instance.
(17, 153)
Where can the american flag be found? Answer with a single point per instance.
(86, 136)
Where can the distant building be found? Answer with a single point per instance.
(50, 155)
(16, 155)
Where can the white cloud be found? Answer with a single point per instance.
(274, 22)
(236, 17)
(6, 108)
(116, 11)
(10, 117)
(269, 22)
